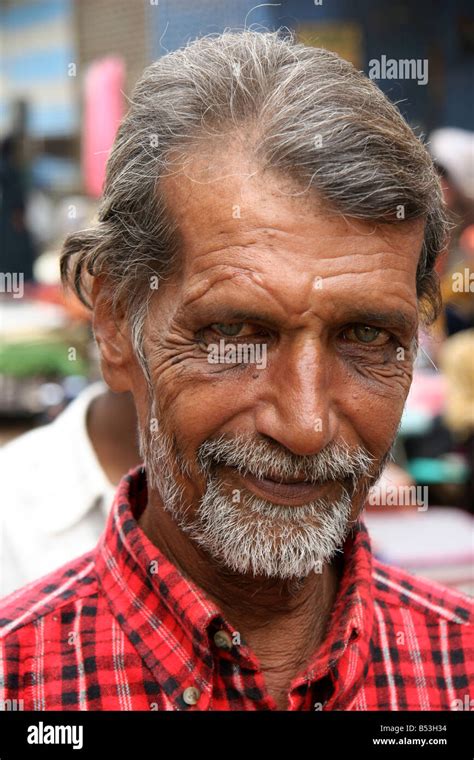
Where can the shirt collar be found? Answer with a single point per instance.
(158, 607)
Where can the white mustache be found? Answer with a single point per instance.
(261, 459)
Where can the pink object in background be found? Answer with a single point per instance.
(427, 392)
(103, 110)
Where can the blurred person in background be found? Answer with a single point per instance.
(457, 287)
(457, 364)
(453, 153)
(58, 483)
(17, 252)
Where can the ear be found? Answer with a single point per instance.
(113, 338)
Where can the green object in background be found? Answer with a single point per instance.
(452, 470)
(40, 357)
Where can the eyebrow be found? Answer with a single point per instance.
(245, 315)
(380, 318)
(393, 317)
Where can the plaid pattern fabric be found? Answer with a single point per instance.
(120, 628)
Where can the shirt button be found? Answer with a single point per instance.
(191, 695)
(223, 640)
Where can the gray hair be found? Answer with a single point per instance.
(305, 112)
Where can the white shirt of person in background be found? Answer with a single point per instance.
(55, 496)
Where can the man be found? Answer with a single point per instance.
(265, 250)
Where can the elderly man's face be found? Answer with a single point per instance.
(330, 306)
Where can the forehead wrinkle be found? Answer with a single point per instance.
(360, 267)
(264, 239)
(298, 302)
(274, 243)
(269, 290)
(206, 282)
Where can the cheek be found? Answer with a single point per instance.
(193, 412)
(374, 417)
(194, 409)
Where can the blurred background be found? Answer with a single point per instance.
(67, 69)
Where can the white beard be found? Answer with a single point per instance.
(257, 537)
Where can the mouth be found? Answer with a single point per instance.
(285, 492)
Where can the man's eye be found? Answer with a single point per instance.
(233, 332)
(366, 334)
(228, 330)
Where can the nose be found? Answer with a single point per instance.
(295, 408)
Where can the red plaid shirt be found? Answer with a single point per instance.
(120, 628)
